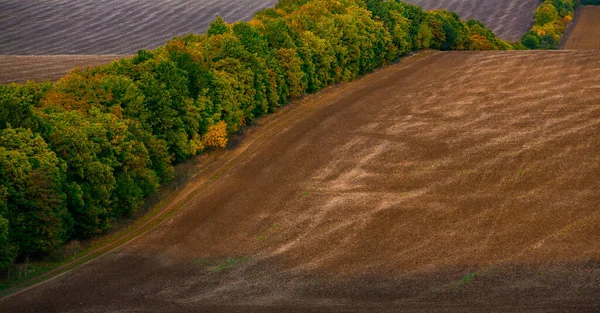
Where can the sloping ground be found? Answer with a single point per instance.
(21, 68)
(510, 19)
(451, 182)
(586, 34)
(109, 27)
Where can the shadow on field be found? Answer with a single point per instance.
(258, 285)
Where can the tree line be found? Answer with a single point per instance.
(78, 154)
(550, 22)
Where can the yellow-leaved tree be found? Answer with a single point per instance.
(216, 137)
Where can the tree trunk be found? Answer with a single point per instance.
(26, 264)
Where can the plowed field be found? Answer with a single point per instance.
(21, 68)
(109, 26)
(450, 182)
(586, 34)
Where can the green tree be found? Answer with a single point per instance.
(546, 13)
(8, 251)
(17, 104)
(218, 27)
(531, 40)
(32, 178)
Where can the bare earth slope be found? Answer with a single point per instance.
(510, 19)
(586, 34)
(109, 26)
(21, 68)
(451, 182)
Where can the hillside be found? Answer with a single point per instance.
(81, 154)
(471, 187)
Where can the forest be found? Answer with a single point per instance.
(78, 154)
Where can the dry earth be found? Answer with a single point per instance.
(586, 34)
(21, 68)
(510, 20)
(450, 182)
(109, 26)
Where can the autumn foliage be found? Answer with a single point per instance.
(216, 137)
(550, 22)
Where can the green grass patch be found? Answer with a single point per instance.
(201, 261)
(465, 280)
(269, 232)
(228, 264)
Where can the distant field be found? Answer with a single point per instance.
(18, 69)
(450, 182)
(586, 35)
(510, 19)
(109, 27)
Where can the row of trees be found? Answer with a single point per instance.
(80, 153)
(550, 22)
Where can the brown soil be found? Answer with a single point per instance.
(586, 35)
(450, 182)
(510, 20)
(21, 68)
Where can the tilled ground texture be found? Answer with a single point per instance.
(450, 182)
(109, 26)
(510, 20)
(586, 34)
(21, 68)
